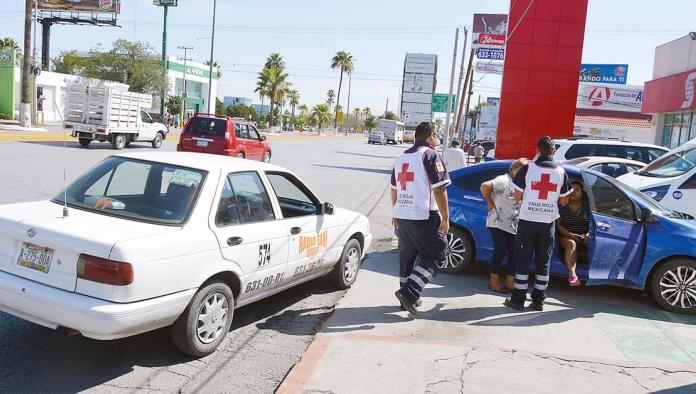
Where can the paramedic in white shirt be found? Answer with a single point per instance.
(420, 214)
(540, 186)
(454, 157)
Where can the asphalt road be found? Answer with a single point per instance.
(267, 337)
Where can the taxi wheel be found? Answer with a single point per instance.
(202, 326)
(673, 286)
(459, 254)
(346, 270)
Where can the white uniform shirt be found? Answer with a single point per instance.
(542, 182)
(454, 158)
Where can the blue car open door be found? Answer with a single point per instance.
(617, 240)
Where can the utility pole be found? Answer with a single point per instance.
(211, 100)
(458, 106)
(164, 58)
(25, 104)
(350, 81)
(478, 117)
(34, 73)
(451, 87)
(463, 94)
(183, 94)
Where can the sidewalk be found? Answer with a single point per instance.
(12, 126)
(587, 340)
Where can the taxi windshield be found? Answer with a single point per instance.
(671, 165)
(136, 189)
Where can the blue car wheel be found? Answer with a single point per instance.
(673, 286)
(460, 252)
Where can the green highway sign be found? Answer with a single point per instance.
(168, 3)
(440, 102)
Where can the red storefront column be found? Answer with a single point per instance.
(542, 69)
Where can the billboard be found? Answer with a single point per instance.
(490, 53)
(93, 6)
(671, 93)
(488, 122)
(604, 73)
(626, 98)
(488, 25)
(422, 98)
(489, 68)
(418, 83)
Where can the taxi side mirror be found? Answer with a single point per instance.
(327, 208)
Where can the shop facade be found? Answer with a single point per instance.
(197, 99)
(669, 96)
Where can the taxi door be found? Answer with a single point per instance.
(617, 240)
(248, 233)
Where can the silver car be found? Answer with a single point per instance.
(377, 137)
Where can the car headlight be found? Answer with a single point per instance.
(656, 193)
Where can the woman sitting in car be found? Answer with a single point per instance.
(573, 229)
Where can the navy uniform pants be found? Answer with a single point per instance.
(419, 240)
(536, 238)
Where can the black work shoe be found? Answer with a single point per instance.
(405, 303)
(538, 306)
(417, 304)
(509, 303)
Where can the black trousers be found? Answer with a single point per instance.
(503, 245)
(537, 238)
(419, 240)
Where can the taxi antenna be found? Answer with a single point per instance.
(65, 178)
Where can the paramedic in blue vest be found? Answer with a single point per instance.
(419, 207)
(540, 186)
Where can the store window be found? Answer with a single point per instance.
(679, 128)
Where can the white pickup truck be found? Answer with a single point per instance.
(111, 114)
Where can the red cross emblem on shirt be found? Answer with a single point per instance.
(405, 176)
(544, 186)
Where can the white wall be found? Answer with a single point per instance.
(675, 57)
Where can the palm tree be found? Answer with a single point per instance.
(321, 113)
(367, 111)
(262, 89)
(10, 43)
(275, 60)
(276, 86)
(294, 99)
(330, 95)
(344, 62)
(216, 66)
(303, 110)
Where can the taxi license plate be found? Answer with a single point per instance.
(202, 144)
(35, 257)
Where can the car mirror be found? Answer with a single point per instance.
(328, 208)
(647, 216)
(263, 138)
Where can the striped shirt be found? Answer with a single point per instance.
(576, 222)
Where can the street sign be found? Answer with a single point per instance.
(440, 102)
(168, 3)
(339, 117)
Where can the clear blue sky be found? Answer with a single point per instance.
(378, 34)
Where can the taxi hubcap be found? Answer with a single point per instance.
(352, 265)
(212, 318)
(678, 287)
(456, 252)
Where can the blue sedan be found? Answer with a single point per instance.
(634, 241)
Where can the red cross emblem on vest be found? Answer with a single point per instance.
(405, 176)
(544, 186)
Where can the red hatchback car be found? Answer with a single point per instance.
(223, 135)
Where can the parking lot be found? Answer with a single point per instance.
(270, 337)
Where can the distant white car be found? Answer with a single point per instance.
(572, 148)
(612, 166)
(170, 238)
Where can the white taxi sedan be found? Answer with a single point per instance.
(170, 239)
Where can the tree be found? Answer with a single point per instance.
(134, 63)
(390, 115)
(219, 107)
(330, 95)
(370, 123)
(10, 43)
(275, 85)
(367, 112)
(303, 109)
(274, 60)
(321, 114)
(438, 124)
(242, 111)
(294, 100)
(344, 62)
(174, 104)
(356, 112)
(216, 66)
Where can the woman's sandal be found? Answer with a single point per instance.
(499, 291)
